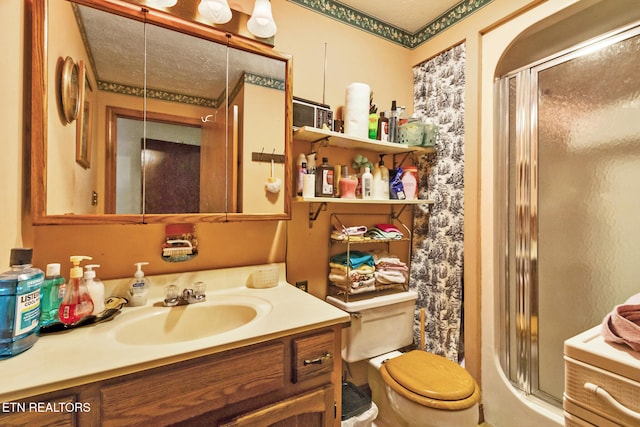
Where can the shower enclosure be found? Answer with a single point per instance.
(570, 177)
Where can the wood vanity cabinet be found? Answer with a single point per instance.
(289, 381)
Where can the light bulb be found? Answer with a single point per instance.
(261, 23)
(216, 11)
(163, 3)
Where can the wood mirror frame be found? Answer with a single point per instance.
(37, 19)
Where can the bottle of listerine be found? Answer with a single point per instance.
(19, 304)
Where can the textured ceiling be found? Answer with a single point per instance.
(408, 15)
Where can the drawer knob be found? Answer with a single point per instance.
(319, 361)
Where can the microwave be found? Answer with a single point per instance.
(309, 113)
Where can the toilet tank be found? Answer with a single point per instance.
(378, 324)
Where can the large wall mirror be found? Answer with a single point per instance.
(175, 121)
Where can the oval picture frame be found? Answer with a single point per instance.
(70, 90)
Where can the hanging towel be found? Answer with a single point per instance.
(622, 325)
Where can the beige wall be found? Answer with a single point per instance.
(353, 56)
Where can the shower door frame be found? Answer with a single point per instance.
(521, 223)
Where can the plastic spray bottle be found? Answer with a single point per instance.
(19, 304)
(138, 287)
(95, 288)
(77, 302)
(51, 295)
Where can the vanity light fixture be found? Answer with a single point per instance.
(261, 23)
(216, 11)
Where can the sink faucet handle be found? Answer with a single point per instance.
(200, 290)
(171, 295)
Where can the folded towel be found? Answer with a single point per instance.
(343, 269)
(622, 325)
(377, 234)
(355, 259)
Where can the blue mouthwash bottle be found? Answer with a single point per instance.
(19, 304)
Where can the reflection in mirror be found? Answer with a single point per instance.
(186, 83)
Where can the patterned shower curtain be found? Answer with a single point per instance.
(437, 256)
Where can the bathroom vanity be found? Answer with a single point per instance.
(282, 366)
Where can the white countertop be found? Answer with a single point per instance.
(92, 353)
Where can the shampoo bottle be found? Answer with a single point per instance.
(77, 302)
(367, 184)
(51, 295)
(384, 175)
(393, 123)
(19, 304)
(95, 288)
(324, 179)
(138, 287)
(302, 169)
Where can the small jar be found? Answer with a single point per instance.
(410, 182)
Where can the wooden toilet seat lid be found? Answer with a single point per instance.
(430, 376)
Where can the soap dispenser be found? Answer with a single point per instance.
(138, 287)
(95, 288)
(77, 302)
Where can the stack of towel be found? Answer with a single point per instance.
(349, 233)
(389, 269)
(354, 271)
(384, 232)
(622, 325)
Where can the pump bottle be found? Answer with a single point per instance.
(77, 302)
(138, 287)
(95, 288)
(51, 294)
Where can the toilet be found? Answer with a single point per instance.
(415, 388)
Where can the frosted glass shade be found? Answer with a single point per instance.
(163, 3)
(216, 11)
(261, 23)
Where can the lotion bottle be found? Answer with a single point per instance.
(95, 288)
(138, 287)
(384, 175)
(367, 184)
(77, 302)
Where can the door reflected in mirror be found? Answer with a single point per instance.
(188, 78)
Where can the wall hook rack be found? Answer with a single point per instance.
(267, 157)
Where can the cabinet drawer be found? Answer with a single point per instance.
(625, 391)
(166, 394)
(312, 356)
(37, 412)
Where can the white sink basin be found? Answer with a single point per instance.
(167, 325)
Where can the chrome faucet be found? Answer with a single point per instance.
(188, 296)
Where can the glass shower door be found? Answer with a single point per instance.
(573, 131)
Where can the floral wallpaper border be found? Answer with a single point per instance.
(250, 78)
(343, 13)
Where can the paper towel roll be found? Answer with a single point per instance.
(356, 116)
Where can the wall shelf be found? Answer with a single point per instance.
(362, 201)
(336, 139)
(324, 201)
